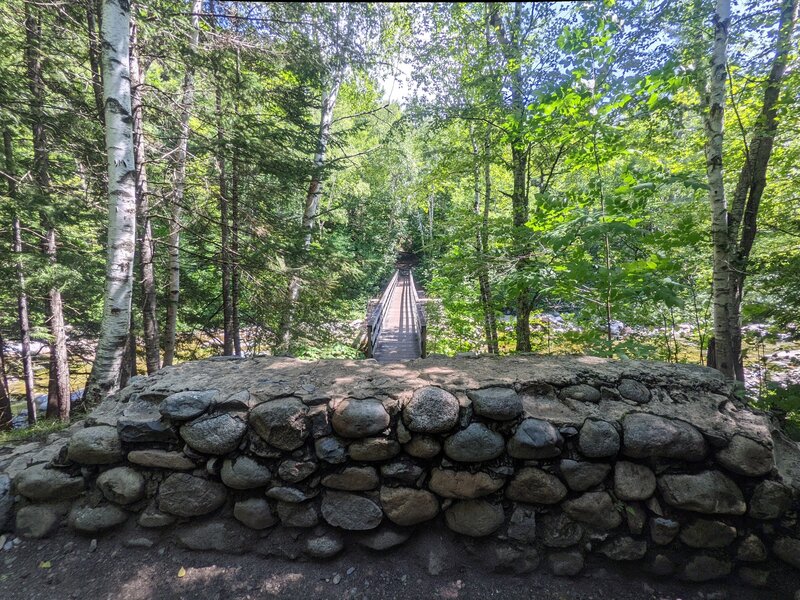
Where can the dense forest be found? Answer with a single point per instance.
(185, 178)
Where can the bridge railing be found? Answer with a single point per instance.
(420, 318)
(376, 312)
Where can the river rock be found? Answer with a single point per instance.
(384, 538)
(633, 482)
(95, 446)
(708, 492)
(40, 483)
(295, 471)
(475, 518)
(751, 549)
(244, 473)
(633, 390)
(287, 493)
(145, 428)
(431, 410)
(582, 393)
(534, 439)
(352, 479)
(746, 457)
(187, 405)
(770, 500)
(121, 485)
(331, 450)
(705, 568)
(423, 446)
(359, 418)
(598, 439)
(185, 495)
(94, 519)
(324, 544)
(594, 509)
(649, 436)
(161, 459)
(151, 517)
(282, 423)
(559, 531)
(214, 434)
(254, 513)
(788, 550)
(581, 476)
(565, 564)
(663, 531)
(463, 484)
(408, 506)
(350, 511)
(624, 548)
(304, 514)
(535, 486)
(402, 471)
(224, 535)
(374, 449)
(705, 533)
(498, 403)
(36, 521)
(476, 443)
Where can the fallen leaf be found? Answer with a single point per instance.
(181, 572)
(45, 564)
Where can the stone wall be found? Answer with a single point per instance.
(545, 460)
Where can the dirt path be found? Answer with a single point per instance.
(115, 572)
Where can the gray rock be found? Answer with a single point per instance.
(244, 473)
(595, 510)
(121, 485)
(254, 513)
(431, 410)
(498, 403)
(565, 564)
(324, 545)
(161, 459)
(282, 423)
(320, 421)
(184, 406)
(331, 450)
(145, 428)
(581, 476)
(663, 531)
(535, 486)
(359, 418)
(649, 436)
(475, 518)
(423, 446)
(214, 434)
(463, 484)
(522, 524)
(350, 511)
(747, 457)
(624, 548)
(598, 439)
(222, 535)
(95, 519)
(476, 443)
(705, 533)
(583, 393)
(788, 550)
(408, 506)
(384, 538)
(303, 515)
(708, 492)
(559, 531)
(6, 501)
(352, 479)
(705, 568)
(95, 446)
(635, 517)
(753, 577)
(185, 495)
(36, 521)
(295, 471)
(285, 493)
(151, 517)
(138, 542)
(633, 481)
(751, 549)
(770, 500)
(403, 471)
(533, 439)
(634, 390)
(403, 434)
(40, 483)
(374, 449)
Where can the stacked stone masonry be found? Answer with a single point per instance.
(537, 461)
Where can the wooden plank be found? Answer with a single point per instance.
(398, 339)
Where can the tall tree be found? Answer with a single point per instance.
(115, 39)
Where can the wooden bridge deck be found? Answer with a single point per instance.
(399, 338)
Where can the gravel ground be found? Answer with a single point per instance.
(67, 567)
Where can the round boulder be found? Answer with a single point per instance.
(94, 519)
(534, 439)
(185, 495)
(282, 423)
(476, 443)
(357, 418)
(498, 403)
(350, 511)
(535, 486)
(244, 473)
(40, 483)
(95, 446)
(254, 513)
(598, 439)
(463, 484)
(423, 446)
(746, 457)
(121, 485)
(187, 405)
(36, 521)
(214, 434)
(408, 506)
(633, 482)
(649, 436)
(475, 518)
(431, 410)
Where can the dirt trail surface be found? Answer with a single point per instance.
(113, 571)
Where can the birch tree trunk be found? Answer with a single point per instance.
(5, 399)
(145, 243)
(105, 375)
(714, 126)
(177, 199)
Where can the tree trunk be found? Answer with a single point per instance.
(177, 198)
(233, 256)
(714, 126)
(225, 250)
(105, 375)
(145, 231)
(5, 399)
(58, 389)
(92, 21)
